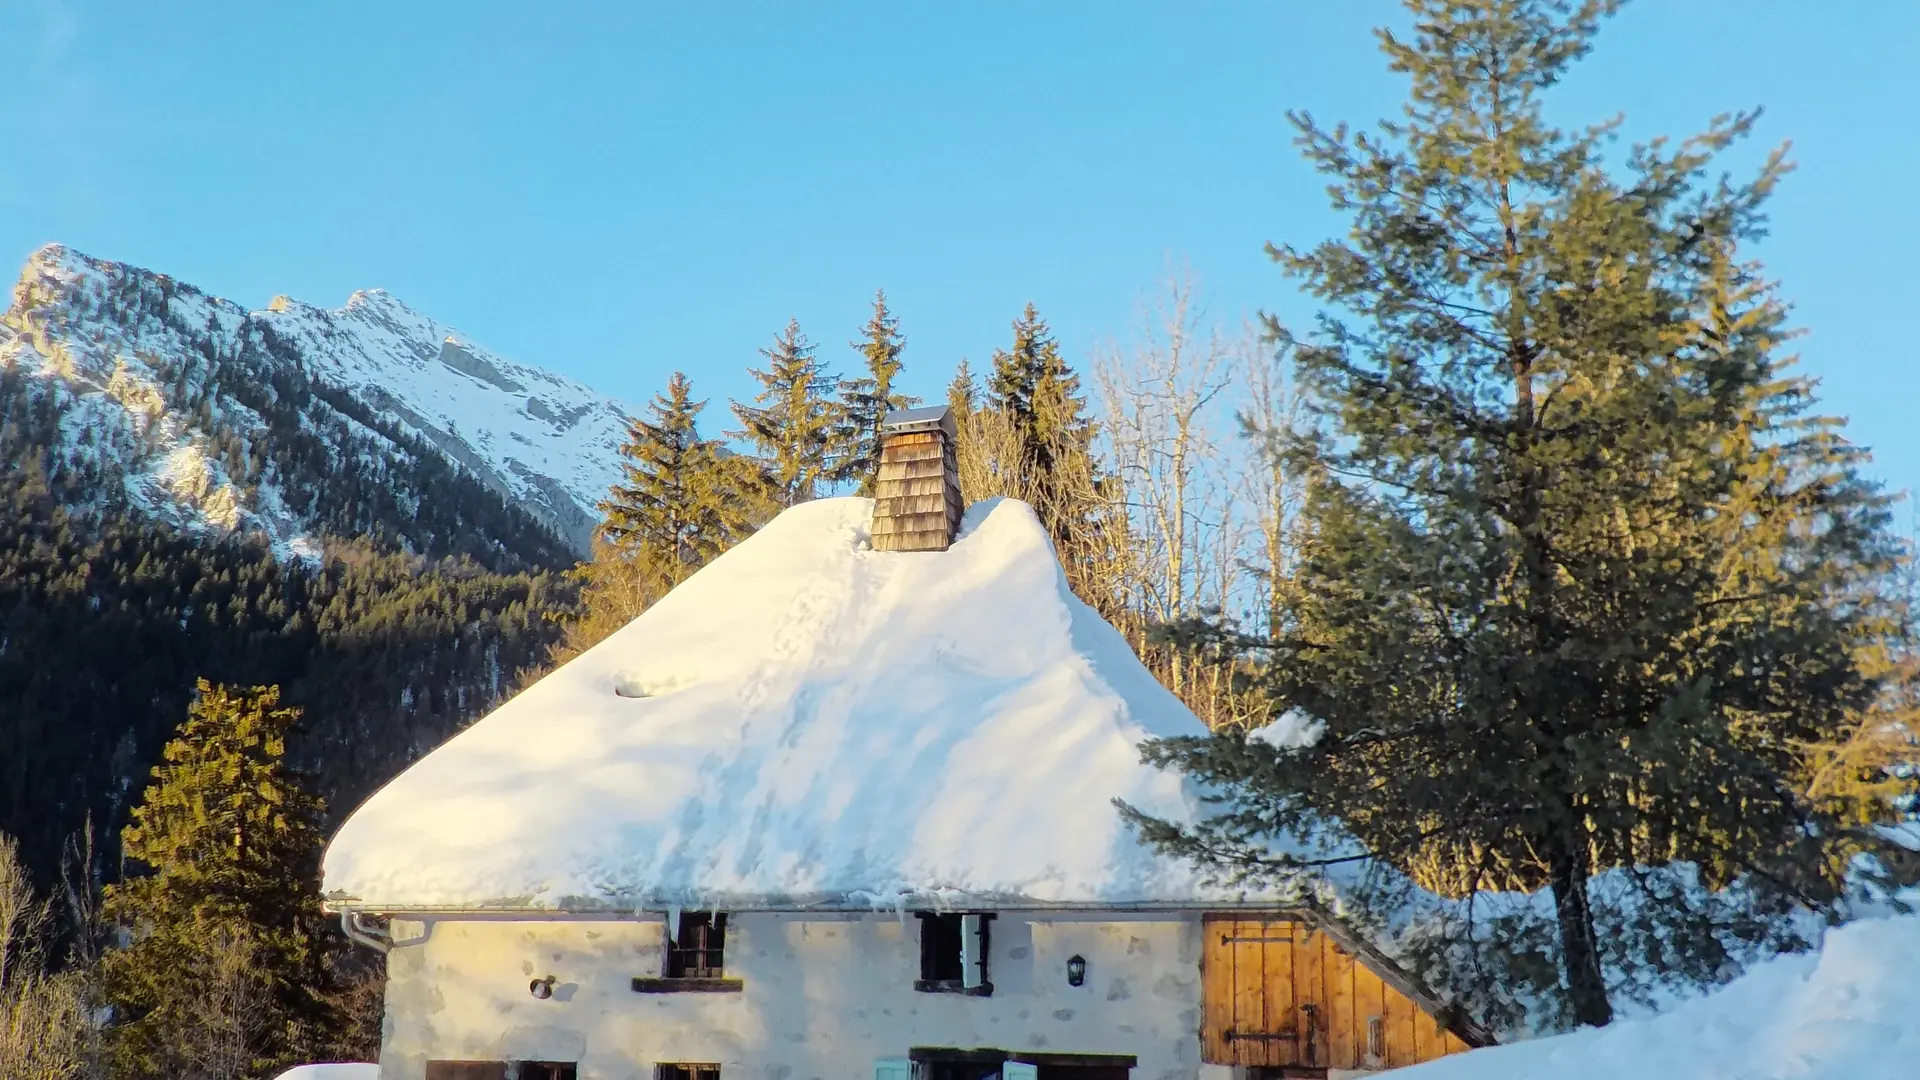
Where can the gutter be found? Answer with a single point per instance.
(346, 905)
(352, 923)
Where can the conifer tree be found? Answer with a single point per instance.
(1038, 398)
(963, 393)
(1032, 385)
(230, 900)
(865, 401)
(674, 509)
(794, 422)
(1586, 578)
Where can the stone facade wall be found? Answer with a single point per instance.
(824, 996)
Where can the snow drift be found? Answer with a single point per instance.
(1850, 1012)
(339, 1070)
(804, 722)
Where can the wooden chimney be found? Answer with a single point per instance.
(916, 503)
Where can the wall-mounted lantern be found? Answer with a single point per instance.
(1076, 970)
(541, 988)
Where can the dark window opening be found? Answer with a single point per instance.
(686, 1071)
(547, 1070)
(957, 1070)
(466, 1070)
(953, 955)
(697, 952)
(940, 950)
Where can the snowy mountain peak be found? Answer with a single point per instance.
(194, 399)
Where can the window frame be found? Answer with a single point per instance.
(686, 1070)
(707, 973)
(953, 929)
(698, 949)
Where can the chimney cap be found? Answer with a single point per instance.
(930, 418)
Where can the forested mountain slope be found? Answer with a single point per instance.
(353, 504)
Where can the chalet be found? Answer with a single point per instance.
(842, 805)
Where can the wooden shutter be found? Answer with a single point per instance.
(893, 1069)
(1019, 1070)
(973, 951)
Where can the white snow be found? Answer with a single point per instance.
(338, 1070)
(1848, 1012)
(537, 436)
(544, 441)
(1291, 730)
(805, 721)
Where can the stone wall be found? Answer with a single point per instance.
(824, 995)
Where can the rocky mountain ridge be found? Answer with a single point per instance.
(299, 422)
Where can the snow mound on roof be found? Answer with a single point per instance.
(805, 721)
(1851, 1010)
(337, 1070)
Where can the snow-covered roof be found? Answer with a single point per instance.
(804, 722)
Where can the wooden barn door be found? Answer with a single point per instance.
(1262, 993)
(1279, 993)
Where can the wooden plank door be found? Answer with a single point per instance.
(1262, 993)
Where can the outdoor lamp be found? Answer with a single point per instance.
(1076, 970)
(541, 988)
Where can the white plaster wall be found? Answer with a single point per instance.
(825, 995)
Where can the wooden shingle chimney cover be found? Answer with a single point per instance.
(916, 500)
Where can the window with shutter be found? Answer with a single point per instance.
(954, 952)
(686, 1070)
(695, 959)
(698, 951)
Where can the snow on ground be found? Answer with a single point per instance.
(341, 1070)
(1848, 1012)
(805, 720)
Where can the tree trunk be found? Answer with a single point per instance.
(1586, 984)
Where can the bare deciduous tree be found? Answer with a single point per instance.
(45, 1030)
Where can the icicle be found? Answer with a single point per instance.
(673, 922)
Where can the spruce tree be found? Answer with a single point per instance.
(1587, 578)
(230, 897)
(963, 393)
(865, 401)
(1030, 384)
(674, 508)
(1038, 397)
(794, 422)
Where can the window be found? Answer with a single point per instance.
(547, 1070)
(686, 1071)
(953, 954)
(698, 950)
(466, 1070)
(695, 959)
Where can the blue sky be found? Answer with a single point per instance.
(616, 190)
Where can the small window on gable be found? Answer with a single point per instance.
(698, 950)
(953, 953)
(686, 1071)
